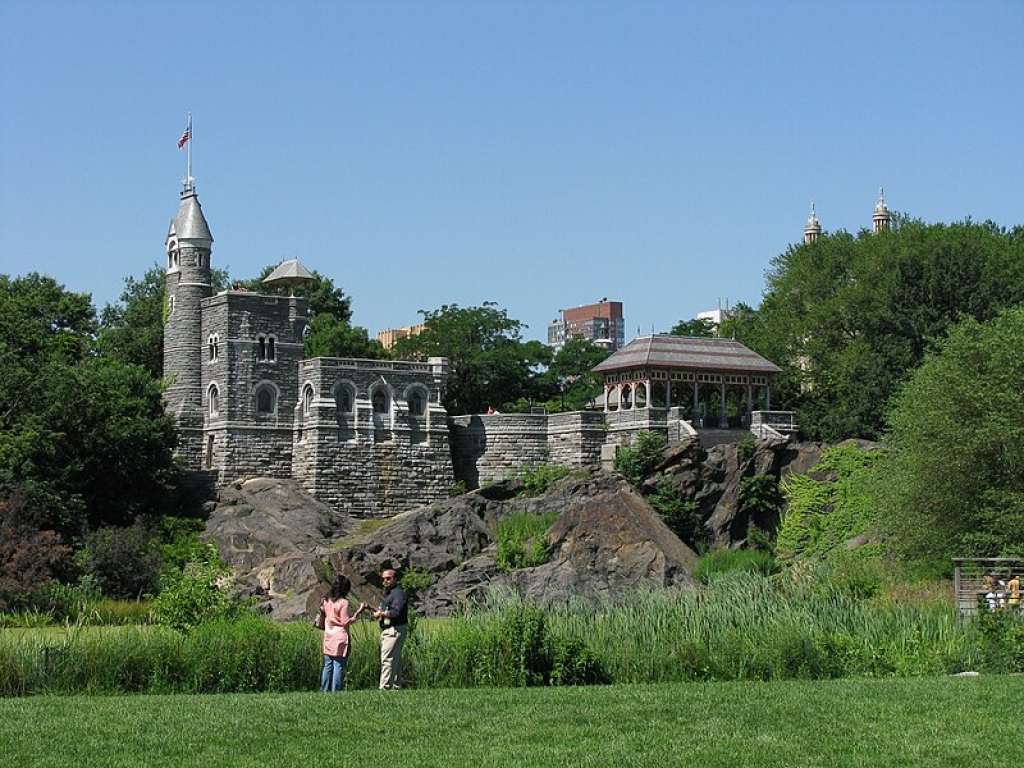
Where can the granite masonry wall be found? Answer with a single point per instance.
(490, 448)
(251, 348)
(372, 435)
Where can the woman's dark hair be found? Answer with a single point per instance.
(339, 588)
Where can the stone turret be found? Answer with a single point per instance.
(187, 282)
(813, 228)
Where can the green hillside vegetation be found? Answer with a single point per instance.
(914, 337)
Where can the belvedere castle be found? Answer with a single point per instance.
(371, 437)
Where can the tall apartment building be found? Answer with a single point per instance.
(388, 338)
(601, 322)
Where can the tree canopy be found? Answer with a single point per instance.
(569, 382)
(955, 483)
(490, 364)
(83, 439)
(848, 318)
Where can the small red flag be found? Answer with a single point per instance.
(184, 138)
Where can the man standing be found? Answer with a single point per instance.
(393, 616)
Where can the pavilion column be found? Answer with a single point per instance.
(607, 393)
(768, 397)
(650, 395)
(748, 416)
(695, 418)
(723, 410)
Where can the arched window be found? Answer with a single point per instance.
(266, 399)
(417, 400)
(214, 342)
(344, 399)
(307, 399)
(380, 401)
(214, 400)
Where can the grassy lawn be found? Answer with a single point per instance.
(881, 722)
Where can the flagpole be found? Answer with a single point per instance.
(189, 176)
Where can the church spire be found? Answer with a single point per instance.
(813, 228)
(880, 219)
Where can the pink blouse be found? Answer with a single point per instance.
(339, 616)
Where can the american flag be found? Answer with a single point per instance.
(184, 138)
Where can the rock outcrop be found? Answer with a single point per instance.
(606, 540)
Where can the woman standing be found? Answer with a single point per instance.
(338, 617)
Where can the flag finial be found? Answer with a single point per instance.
(186, 140)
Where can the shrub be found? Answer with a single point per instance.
(537, 478)
(721, 561)
(522, 541)
(1002, 640)
(681, 515)
(458, 488)
(201, 593)
(745, 447)
(181, 542)
(638, 461)
(123, 562)
(761, 500)
(29, 558)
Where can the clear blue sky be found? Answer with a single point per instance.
(537, 154)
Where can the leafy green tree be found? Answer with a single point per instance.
(569, 382)
(955, 484)
(330, 337)
(331, 333)
(323, 296)
(84, 438)
(698, 326)
(490, 365)
(133, 329)
(848, 318)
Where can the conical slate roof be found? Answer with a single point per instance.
(290, 272)
(687, 353)
(190, 224)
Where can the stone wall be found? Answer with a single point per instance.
(372, 435)
(250, 343)
(489, 448)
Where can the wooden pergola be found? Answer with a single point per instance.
(663, 371)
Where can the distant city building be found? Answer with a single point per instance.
(716, 316)
(602, 323)
(388, 338)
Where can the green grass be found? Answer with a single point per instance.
(835, 723)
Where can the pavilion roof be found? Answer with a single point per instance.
(687, 353)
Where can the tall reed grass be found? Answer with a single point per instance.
(742, 626)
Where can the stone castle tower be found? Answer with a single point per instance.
(369, 437)
(187, 281)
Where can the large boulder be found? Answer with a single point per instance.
(606, 541)
(273, 534)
